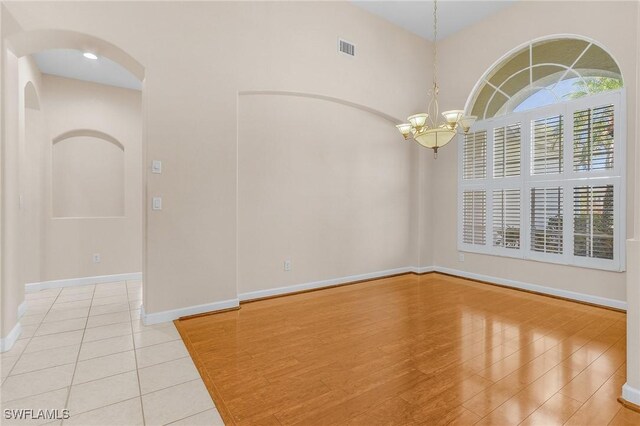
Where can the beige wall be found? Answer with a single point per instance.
(612, 24)
(199, 247)
(12, 291)
(108, 220)
(192, 79)
(328, 186)
(88, 178)
(32, 175)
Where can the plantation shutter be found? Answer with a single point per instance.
(474, 217)
(546, 220)
(593, 221)
(593, 138)
(475, 155)
(506, 218)
(506, 151)
(542, 183)
(546, 145)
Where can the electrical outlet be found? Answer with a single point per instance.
(96, 258)
(287, 265)
(460, 257)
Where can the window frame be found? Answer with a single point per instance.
(568, 180)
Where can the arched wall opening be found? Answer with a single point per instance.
(47, 239)
(32, 184)
(88, 173)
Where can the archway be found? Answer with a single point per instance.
(26, 193)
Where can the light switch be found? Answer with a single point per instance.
(156, 203)
(156, 166)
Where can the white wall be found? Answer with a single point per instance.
(611, 23)
(108, 221)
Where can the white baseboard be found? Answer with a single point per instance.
(7, 342)
(170, 315)
(165, 316)
(423, 269)
(22, 309)
(597, 300)
(323, 283)
(32, 287)
(630, 394)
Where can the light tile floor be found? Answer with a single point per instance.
(85, 349)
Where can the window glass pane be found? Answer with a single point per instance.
(546, 220)
(543, 73)
(593, 138)
(474, 222)
(546, 145)
(506, 218)
(593, 221)
(506, 151)
(475, 155)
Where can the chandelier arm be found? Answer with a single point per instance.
(436, 136)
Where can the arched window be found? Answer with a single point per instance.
(541, 174)
(544, 73)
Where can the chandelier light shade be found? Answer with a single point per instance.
(425, 128)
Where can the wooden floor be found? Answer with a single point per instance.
(413, 349)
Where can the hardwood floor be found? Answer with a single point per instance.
(428, 349)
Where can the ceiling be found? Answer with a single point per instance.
(417, 16)
(71, 63)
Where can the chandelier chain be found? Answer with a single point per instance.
(435, 44)
(436, 135)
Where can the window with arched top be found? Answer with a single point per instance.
(544, 73)
(542, 172)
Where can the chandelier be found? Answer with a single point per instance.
(433, 134)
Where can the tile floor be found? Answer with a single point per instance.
(85, 349)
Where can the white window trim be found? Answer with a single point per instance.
(567, 180)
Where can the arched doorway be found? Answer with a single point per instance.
(43, 250)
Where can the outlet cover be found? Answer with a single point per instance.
(96, 258)
(287, 265)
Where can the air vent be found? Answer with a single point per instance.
(346, 47)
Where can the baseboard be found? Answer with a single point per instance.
(566, 294)
(165, 316)
(423, 269)
(7, 342)
(630, 394)
(44, 285)
(279, 291)
(22, 309)
(170, 315)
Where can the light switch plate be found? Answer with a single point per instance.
(156, 203)
(156, 166)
